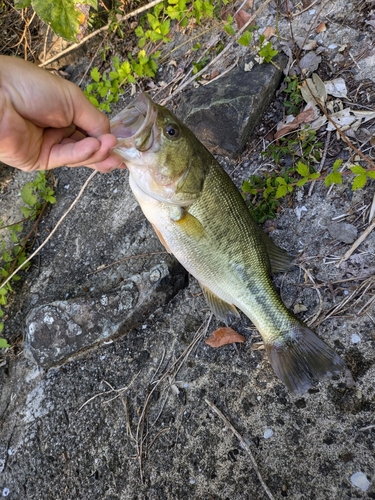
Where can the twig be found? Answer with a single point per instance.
(322, 161)
(356, 244)
(368, 427)
(223, 73)
(100, 30)
(372, 209)
(244, 445)
(112, 389)
(91, 62)
(140, 256)
(53, 230)
(312, 321)
(224, 51)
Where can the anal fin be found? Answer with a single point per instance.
(222, 310)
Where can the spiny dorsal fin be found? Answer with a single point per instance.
(280, 260)
(219, 307)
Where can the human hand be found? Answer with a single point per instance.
(47, 122)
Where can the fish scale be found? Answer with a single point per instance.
(202, 219)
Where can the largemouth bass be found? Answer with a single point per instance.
(201, 218)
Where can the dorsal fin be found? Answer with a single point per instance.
(280, 260)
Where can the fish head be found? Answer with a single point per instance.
(163, 156)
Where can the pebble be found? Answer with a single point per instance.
(6, 492)
(268, 433)
(360, 480)
(355, 338)
(342, 231)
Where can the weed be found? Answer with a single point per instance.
(36, 195)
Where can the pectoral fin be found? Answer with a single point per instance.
(219, 307)
(280, 260)
(189, 224)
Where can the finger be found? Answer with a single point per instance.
(113, 162)
(88, 151)
(85, 115)
(59, 149)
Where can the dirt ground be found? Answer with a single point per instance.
(132, 418)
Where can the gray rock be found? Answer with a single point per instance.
(58, 330)
(224, 113)
(342, 231)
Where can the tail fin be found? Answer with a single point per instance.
(301, 357)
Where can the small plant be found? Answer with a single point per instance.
(294, 97)
(36, 195)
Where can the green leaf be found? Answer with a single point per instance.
(3, 343)
(26, 211)
(281, 191)
(303, 169)
(139, 31)
(371, 174)
(337, 164)
(245, 38)
(95, 75)
(229, 29)
(357, 169)
(315, 175)
(165, 27)
(333, 178)
(268, 52)
(359, 181)
(27, 195)
(62, 15)
(302, 182)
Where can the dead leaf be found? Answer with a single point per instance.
(336, 87)
(269, 32)
(299, 308)
(224, 336)
(241, 18)
(310, 45)
(249, 66)
(321, 27)
(314, 88)
(307, 115)
(257, 346)
(310, 62)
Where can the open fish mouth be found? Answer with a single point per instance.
(135, 126)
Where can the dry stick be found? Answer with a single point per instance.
(224, 51)
(322, 162)
(312, 320)
(100, 30)
(357, 243)
(372, 209)
(244, 445)
(53, 230)
(129, 257)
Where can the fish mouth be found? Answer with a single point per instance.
(135, 126)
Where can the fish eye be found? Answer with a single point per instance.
(171, 131)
